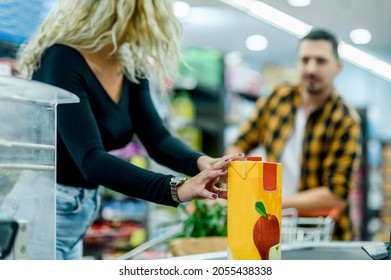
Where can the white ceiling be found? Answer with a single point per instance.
(215, 24)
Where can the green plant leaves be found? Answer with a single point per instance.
(260, 208)
(207, 219)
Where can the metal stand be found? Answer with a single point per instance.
(163, 238)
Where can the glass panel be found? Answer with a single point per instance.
(18, 89)
(27, 163)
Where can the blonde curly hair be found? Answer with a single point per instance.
(149, 28)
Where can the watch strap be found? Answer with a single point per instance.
(175, 182)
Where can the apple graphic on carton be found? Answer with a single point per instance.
(266, 231)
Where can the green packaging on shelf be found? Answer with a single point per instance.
(205, 65)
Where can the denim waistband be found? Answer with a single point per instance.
(77, 191)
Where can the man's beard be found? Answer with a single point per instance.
(314, 91)
(312, 88)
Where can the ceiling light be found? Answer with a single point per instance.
(360, 36)
(364, 60)
(256, 43)
(271, 15)
(299, 28)
(181, 9)
(299, 3)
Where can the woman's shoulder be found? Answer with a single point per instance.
(61, 52)
(60, 63)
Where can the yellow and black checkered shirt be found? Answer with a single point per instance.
(331, 148)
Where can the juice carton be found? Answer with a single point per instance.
(254, 209)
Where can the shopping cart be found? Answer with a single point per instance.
(307, 226)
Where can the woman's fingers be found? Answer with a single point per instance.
(207, 194)
(221, 164)
(207, 180)
(203, 184)
(233, 157)
(224, 161)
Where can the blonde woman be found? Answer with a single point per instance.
(104, 52)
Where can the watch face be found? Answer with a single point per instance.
(175, 181)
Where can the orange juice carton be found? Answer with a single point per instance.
(254, 209)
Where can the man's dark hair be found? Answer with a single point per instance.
(322, 34)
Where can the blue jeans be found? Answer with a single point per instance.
(76, 209)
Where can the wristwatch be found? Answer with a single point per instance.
(175, 182)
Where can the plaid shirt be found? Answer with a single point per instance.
(331, 148)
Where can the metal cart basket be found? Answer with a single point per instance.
(298, 229)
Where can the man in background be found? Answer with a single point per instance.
(312, 131)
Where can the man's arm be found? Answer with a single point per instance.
(317, 198)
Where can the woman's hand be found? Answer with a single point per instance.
(204, 162)
(202, 185)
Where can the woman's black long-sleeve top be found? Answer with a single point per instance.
(87, 130)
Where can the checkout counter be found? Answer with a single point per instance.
(302, 250)
(27, 152)
(307, 238)
(331, 250)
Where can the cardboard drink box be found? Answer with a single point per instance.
(254, 209)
